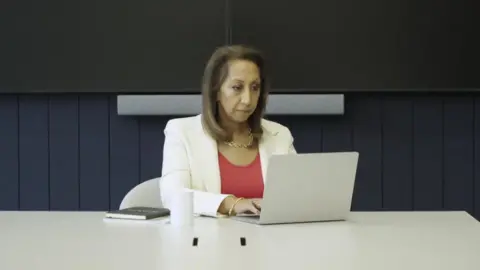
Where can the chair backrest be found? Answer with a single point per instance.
(146, 194)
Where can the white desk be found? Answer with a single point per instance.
(369, 241)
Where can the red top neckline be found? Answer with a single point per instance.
(241, 180)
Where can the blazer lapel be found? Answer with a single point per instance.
(264, 156)
(208, 153)
(266, 149)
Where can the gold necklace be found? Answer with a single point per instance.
(241, 145)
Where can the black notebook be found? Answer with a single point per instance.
(143, 213)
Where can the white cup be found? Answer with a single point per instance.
(181, 210)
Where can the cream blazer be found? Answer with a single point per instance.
(190, 161)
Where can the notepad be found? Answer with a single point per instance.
(139, 213)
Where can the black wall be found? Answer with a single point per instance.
(162, 46)
(73, 152)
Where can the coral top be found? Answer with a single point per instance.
(241, 181)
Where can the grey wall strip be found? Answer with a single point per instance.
(313, 104)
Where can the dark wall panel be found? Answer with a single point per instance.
(124, 154)
(367, 138)
(9, 169)
(151, 130)
(397, 131)
(337, 133)
(458, 153)
(89, 46)
(94, 152)
(427, 153)
(93, 46)
(63, 153)
(34, 146)
(358, 45)
(476, 165)
(69, 152)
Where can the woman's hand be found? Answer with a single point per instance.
(258, 204)
(243, 206)
(248, 206)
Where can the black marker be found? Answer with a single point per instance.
(195, 241)
(243, 241)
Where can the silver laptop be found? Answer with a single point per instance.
(307, 188)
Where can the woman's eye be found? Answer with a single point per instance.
(256, 87)
(237, 87)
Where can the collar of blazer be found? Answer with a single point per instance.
(211, 177)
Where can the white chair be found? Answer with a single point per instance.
(146, 194)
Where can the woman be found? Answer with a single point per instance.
(222, 154)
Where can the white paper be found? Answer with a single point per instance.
(181, 211)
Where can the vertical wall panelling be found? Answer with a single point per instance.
(94, 152)
(68, 152)
(476, 165)
(124, 154)
(397, 153)
(151, 146)
(458, 153)
(427, 153)
(367, 140)
(33, 152)
(337, 131)
(9, 153)
(63, 137)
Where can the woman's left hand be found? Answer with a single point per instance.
(257, 203)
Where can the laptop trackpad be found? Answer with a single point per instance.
(249, 218)
(248, 215)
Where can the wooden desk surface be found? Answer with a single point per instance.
(369, 240)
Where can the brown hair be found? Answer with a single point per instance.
(214, 76)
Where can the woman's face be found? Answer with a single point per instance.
(239, 93)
